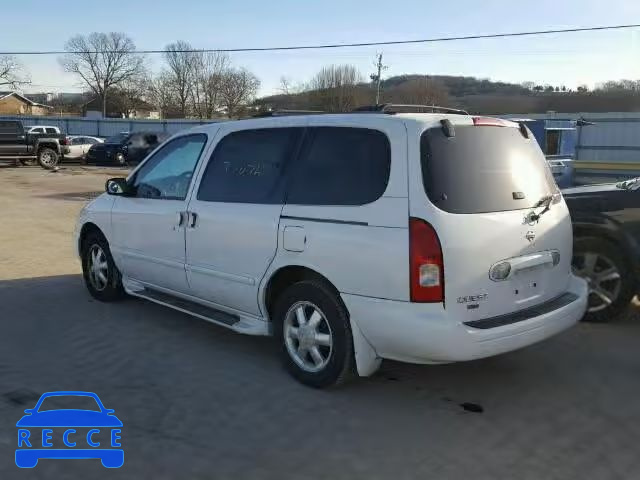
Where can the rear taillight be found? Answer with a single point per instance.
(425, 263)
(64, 141)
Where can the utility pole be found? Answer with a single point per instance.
(377, 77)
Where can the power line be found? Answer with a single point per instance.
(345, 45)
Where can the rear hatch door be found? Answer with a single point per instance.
(485, 183)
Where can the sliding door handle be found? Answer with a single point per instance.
(194, 220)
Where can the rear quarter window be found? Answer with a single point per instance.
(341, 166)
(483, 169)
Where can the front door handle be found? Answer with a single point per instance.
(182, 218)
(194, 220)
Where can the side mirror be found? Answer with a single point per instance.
(118, 186)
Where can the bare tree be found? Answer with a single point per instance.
(209, 70)
(160, 94)
(335, 88)
(421, 91)
(238, 87)
(11, 73)
(102, 60)
(132, 93)
(285, 85)
(181, 63)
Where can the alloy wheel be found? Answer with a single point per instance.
(602, 276)
(97, 268)
(308, 337)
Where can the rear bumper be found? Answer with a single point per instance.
(421, 333)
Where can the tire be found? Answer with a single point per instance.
(330, 336)
(48, 158)
(108, 287)
(609, 293)
(121, 160)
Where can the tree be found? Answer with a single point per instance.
(420, 91)
(132, 92)
(181, 62)
(238, 86)
(103, 61)
(528, 85)
(209, 71)
(285, 85)
(11, 73)
(335, 88)
(160, 94)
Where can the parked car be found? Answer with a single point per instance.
(18, 145)
(43, 129)
(125, 148)
(350, 238)
(80, 145)
(606, 250)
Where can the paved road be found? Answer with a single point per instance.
(198, 401)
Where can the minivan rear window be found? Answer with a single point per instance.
(483, 169)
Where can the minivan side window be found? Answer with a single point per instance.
(341, 166)
(167, 174)
(248, 166)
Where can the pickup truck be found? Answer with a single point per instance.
(21, 146)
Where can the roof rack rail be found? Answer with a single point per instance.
(392, 108)
(283, 113)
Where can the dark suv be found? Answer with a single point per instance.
(22, 146)
(125, 148)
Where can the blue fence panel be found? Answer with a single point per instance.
(106, 127)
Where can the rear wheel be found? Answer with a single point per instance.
(609, 276)
(48, 158)
(313, 329)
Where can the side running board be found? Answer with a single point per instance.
(189, 307)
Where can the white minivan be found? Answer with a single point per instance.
(420, 237)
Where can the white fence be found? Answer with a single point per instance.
(105, 127)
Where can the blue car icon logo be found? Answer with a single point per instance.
(69, 425)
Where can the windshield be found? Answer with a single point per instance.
(483, 169)
(119, 138)
(69, 402)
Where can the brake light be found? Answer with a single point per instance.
(426, 267)
(64, 141)
(491, 122)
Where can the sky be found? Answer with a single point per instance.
(569, 59)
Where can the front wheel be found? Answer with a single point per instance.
(101, 276)
(609, 277)
(48, 158)
(312, 327)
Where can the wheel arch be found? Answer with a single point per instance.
(87, 228)
(286, 276)
(613, 234)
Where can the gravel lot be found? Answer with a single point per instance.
(198, 401)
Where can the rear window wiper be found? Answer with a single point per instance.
(545, 202)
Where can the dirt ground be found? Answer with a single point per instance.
(198, 401)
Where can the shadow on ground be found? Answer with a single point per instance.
(199, 401)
